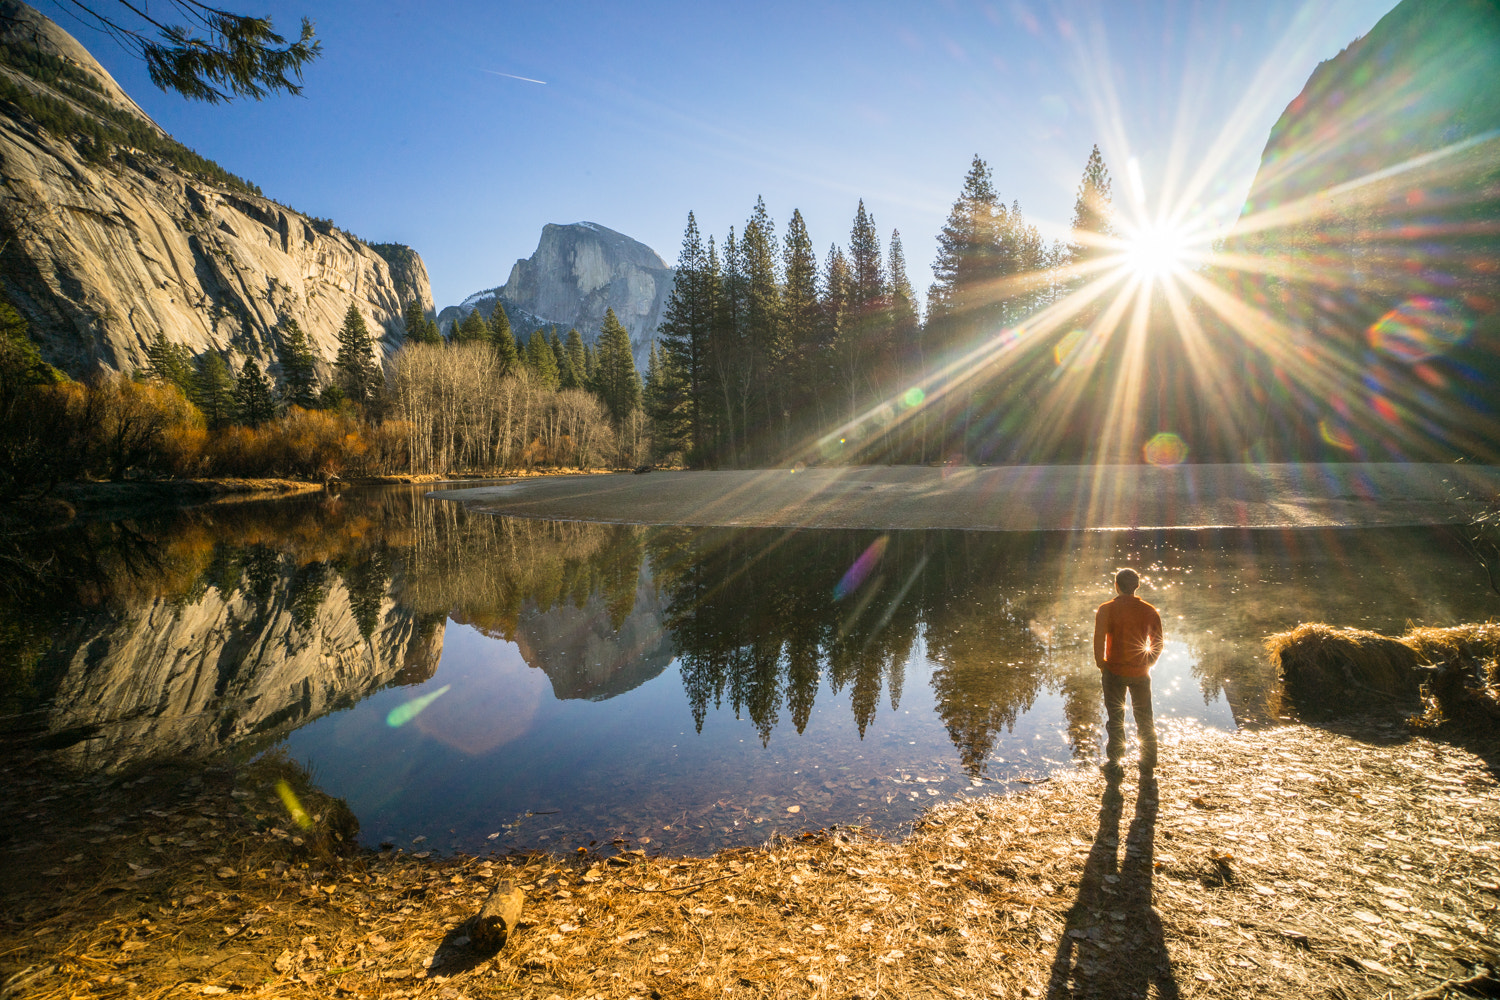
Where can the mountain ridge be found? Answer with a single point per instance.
(112, 232)
(577, 272)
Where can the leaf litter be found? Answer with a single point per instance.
(1289, 861)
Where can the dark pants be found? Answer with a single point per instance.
(1115, 687)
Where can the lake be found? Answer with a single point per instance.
(474, 682)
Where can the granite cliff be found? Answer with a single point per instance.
(1424, 79)
(577, 272)
(111, 231)
(1376, 211)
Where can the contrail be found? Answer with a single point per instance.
(512, 76)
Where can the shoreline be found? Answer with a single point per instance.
(107, 500)
(1224, 879)
(1007, 498)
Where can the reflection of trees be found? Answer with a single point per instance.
(753, 615)
(1083, 702)
(758, 618)
(989, 670)
(483, 570)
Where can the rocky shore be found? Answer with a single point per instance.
(1351, 861)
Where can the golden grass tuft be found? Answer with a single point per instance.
(1452, 670)
(1324, 669)
(1465, 684)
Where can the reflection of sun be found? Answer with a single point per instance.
(1156, 251)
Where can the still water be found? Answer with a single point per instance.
(486, 683)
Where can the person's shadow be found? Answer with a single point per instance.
(1112, 943)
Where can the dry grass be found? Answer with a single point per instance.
(1464, 687)
(1326, 668)
(1451, 673)
(1284, 862)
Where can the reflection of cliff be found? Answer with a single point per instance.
(189, 677)
(183, 633)
(586, 655)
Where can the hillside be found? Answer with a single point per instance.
(1370, 235)
(111, 231)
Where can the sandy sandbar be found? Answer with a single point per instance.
(1008, 498)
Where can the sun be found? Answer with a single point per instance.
(1156, 252)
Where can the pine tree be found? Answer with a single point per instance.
(170, 363)
(651, 386)
(619, 384)
(355, 368)
(567, 378)
(208, 54)
(835, 304)
(728, 357)
(473, 329)
(686, 321)
(419, 329)
(541, 360)
(503, 340)
(1093, 212)
(864, 350)
(905, 327)
(800, 290)
(297, 369)
(765, 348)
(214, 389)
(906, 337)
(577, 357)
(966, 272)
(253, 395)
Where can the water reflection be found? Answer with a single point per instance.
(512, 681)
(759, 616)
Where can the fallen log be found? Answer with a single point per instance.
(498, 916)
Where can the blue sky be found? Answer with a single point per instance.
(406, 133)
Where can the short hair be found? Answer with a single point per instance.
(1127, 580)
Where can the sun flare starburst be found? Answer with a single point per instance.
(1156, 251)
(1343, 309)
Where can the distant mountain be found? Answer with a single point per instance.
(111, 231)
(577, 272)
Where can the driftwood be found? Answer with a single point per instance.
(1481, 984)
(498, 916)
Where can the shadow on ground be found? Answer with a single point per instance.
(1112, 942)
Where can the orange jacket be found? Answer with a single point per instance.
(1127, 636)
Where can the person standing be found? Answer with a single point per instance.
(1127, 643)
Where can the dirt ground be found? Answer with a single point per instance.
(1010, 498)
(1353, 861)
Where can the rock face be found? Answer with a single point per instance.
(169, 678)
(103, 249)
(576, 273)
(1376, 209)
(1424, 78)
